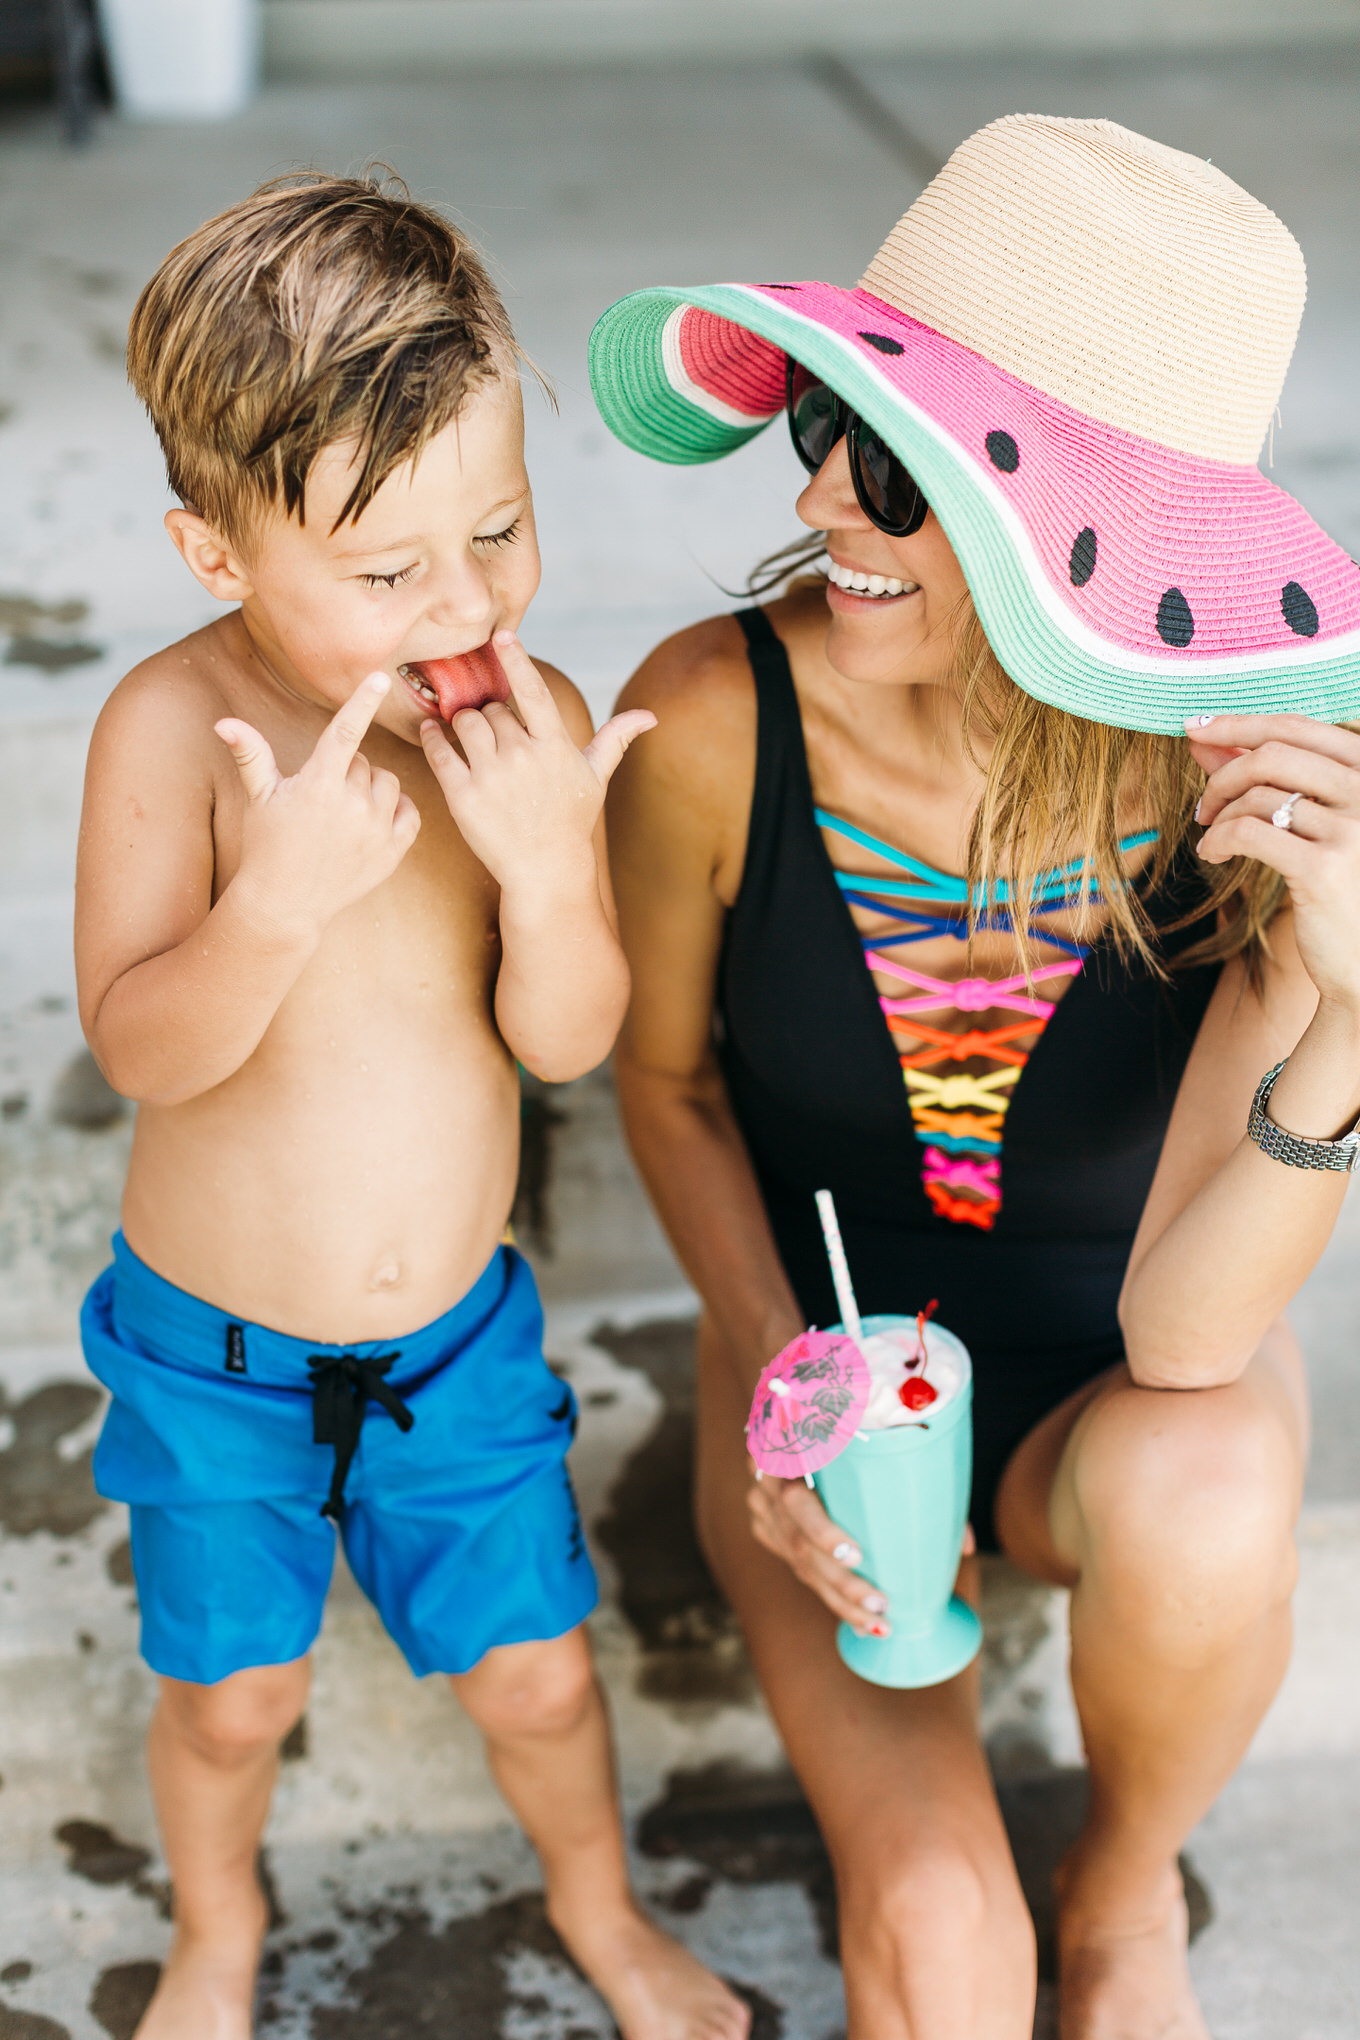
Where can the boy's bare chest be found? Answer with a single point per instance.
(425, 939)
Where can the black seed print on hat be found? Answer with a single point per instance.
(883, 343)
(1082, 564)
(1175, 624)
(1003, 452)
(1300, 610)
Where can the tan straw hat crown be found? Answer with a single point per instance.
(1129, 280)
(1074, 343)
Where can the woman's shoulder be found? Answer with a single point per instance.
(702, 675)
(684, 790)
(698, 684)
(703, 669)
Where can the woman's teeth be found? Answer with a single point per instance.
(422, 687)
(878, 585)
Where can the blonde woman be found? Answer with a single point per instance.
(917, 909)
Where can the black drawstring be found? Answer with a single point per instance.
(341, 1385)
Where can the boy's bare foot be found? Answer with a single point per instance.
(1125, 1978)
(655, 1988)
(207, 1989)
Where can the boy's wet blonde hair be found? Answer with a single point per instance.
(320, 310)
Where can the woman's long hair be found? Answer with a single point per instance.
(1057, 787)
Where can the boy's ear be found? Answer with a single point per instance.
(209, 558)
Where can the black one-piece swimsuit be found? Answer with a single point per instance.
(816, 1084)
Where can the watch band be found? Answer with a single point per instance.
(1296, 1149)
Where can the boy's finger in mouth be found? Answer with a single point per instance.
(464, 680)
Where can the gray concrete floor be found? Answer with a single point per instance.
(406, 1905)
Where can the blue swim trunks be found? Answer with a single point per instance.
(443, 1459)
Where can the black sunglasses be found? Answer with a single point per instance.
(886, 492)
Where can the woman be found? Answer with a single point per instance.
(1030, 437)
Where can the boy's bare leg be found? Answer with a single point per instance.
(547, 1734)
(212, 1753)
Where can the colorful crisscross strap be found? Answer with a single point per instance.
(959, 1116)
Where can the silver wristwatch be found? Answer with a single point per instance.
(1296, 1148)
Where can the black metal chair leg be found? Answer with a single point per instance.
(74, 47)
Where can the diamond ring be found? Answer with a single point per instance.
(1283, 817)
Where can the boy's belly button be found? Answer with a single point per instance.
(387, 1275)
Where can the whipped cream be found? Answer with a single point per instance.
(894, 1362)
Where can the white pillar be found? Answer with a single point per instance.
(182, 59)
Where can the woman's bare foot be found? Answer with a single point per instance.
(655, 1988)
(1123, 1973)
(207, 1988)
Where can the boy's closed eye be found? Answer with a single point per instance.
(387, 580)
(490, 538)
(506, 537)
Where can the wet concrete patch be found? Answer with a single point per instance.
(51, 655)
(84, 1098)
(1044, 1815)
(454, 1979)
(693, 1649)
(39, 634)
(98, 1855)
(20, 613)
(746, 1827)
(118, 1563)
(122, 1994)
(41, 1487)
(17, 2025)
(755, 1827)
(539, 1119)
(767, 2018)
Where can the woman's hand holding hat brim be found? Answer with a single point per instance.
(1308, 772)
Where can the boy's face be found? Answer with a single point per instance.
(444, 555)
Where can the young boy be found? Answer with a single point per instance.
(341, 864)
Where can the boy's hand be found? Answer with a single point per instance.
(527, 800)
(314, 844)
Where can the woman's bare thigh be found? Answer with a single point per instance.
(1039, 1474)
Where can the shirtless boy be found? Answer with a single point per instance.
(341, 864)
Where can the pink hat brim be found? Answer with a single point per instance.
(1122, 579)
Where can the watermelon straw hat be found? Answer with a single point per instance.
(1075, 340)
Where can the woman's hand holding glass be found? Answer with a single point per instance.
(788, 1519)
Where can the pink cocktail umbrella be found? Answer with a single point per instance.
(807, 1404)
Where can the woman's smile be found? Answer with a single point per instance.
(863, 585)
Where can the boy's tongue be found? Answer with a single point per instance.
(468, 681)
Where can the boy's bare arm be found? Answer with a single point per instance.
(176, 992)
(529, 800)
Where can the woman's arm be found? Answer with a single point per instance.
(1229, 1234)
(678, 808)
(677, 825)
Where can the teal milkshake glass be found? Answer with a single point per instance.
(902, 1493)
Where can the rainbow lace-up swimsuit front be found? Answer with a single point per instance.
(960, 1114)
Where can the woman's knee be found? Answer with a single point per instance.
(1185, 1502)
(239, 1719)
(939, 1900)
(531, 1689)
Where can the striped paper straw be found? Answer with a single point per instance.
(840, 1267)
